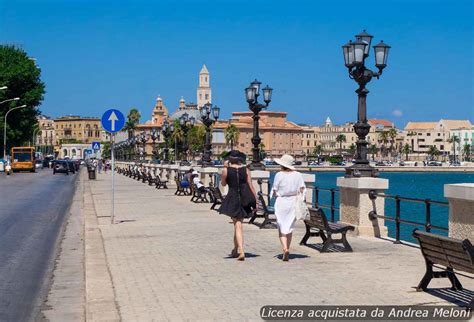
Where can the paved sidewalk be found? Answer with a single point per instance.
(167, 258)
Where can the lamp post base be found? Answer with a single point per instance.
(257, 166)
(361, 170)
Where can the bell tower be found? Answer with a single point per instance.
(204, 92)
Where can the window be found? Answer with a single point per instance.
(428, 134)
(207, 96)
(205, 79)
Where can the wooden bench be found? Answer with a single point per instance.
(325, 229)
(450, 253)
(160, 183)
(216, 196)
(198, 196)
(263, 211)
(180, 190)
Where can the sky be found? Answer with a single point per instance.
(96, 55)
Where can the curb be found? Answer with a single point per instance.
(100, 297)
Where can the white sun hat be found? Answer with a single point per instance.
(286, 161)
(195, 172)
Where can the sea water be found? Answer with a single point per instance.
(421, 185)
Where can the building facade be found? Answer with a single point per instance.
(279, 136)
(420, 136)
(204, 91)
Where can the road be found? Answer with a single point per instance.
(33, 208)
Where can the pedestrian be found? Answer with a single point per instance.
(286, 185)
(240, 200)
(106, 166)
(99, 165)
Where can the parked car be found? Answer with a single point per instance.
(297, 163)
(39, 164)
(313, 162)
(61, 166)
(217, 162)
(434, 164)
(455, 163)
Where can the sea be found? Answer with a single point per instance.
(422, 185)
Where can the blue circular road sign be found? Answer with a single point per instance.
(113, 120)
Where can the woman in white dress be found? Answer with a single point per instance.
(286, 186)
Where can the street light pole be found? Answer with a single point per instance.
(5, 130)
(251, 93)
(208, 120)
(354, 59)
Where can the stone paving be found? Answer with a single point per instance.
(167, 258)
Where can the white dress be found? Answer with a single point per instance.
(285, 186)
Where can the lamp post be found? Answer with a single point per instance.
(186, 123)
(5, 128)
(166, 130)
(154, 137)
(355, 54)
(209, 115)
(251, 93)
(143, 139)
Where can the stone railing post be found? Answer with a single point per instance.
(461, 210)
(173, 171)
(355, 205)
(260, 174)
(206, 175)
(309, 180)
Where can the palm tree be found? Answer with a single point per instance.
(196, 138)
(373, 150)
(433, 151)
(339, 139)
(454, 139)
(392, 134)
(177, 136)
(466, 150)
(383, 136)
(231, 135)
(406, 150)
(133, 118)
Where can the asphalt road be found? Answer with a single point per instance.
(33, 208)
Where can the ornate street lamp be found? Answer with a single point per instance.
(355, 54)
(175, 143)
(133, 142)
(251, 93)
(166, 130)
(209, 115)
(186, 123)
(143, 139)
(154, 137)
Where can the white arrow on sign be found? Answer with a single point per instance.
(113, 118)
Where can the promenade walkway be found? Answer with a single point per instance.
(167, 259)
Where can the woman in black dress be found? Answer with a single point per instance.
(240, 200)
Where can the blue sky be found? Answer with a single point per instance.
(101, 54)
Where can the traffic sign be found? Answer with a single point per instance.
(87, 151)
(113, 120)
(95, 145)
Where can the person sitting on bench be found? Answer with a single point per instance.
(185, 183)
(199, 185)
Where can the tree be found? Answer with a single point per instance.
(466, 151)
(133, 119)
(454, 139)
(392, 134)
(196, 138)
(433, 151)
(339, 139)
(352, 149)
(231, 135)
(383, 137)
(177, 138)
(406, 150)
(106, 149)
(318, 150)
(373, 150)
(23, 78)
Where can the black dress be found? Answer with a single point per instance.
(240, 200)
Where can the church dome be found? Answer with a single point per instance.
(195, 113)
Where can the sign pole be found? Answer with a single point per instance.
(112, 152)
